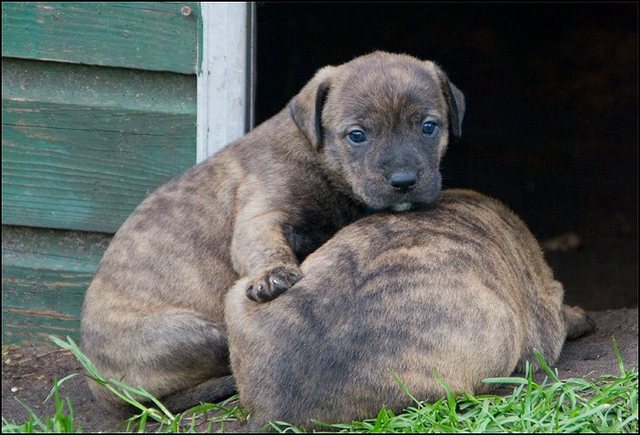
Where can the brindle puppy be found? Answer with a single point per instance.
(364, 136)
(461, 287)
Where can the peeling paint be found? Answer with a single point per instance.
(40, 313)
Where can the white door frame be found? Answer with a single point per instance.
(226, 77)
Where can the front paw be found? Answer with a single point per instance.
(272, 283)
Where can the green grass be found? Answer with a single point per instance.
(605, 404)
(61, 422)
(155, 417)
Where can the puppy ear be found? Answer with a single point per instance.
(455, 101)
(306, 107)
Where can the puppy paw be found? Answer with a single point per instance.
(577, 322)
(272, 283)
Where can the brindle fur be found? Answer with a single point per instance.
(154, 313)
(461, 287)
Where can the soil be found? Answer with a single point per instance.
(28, 372)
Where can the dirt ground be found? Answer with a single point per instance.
(28, 371)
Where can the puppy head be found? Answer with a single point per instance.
(381, 124)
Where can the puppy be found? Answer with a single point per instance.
(361, 137)
(462, 288)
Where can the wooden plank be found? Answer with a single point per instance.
(224, 112)
(146, 91)
(143, 35)
(45, 274)
(83, 146)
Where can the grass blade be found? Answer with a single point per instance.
(543, 363)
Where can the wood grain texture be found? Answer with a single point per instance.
(142, 35)
(44, 277)
(83, 146)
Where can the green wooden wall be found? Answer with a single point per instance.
(98, 109)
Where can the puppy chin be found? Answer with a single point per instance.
(403, 206)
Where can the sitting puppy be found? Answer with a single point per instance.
(461, 287)
(360, 137)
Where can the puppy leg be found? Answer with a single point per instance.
(211, 391)
(577, 322)
(163, 352)
(261, 252)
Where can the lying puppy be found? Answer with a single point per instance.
(361, 137)
(462, 288)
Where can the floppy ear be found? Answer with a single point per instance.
(455, 101)
(306, 107)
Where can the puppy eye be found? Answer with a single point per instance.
(429, 128)
(357, 136)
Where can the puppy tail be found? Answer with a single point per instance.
(211, 391)
(577, 322)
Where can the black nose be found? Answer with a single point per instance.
(404, 180)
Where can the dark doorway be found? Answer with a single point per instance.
(551, 127)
